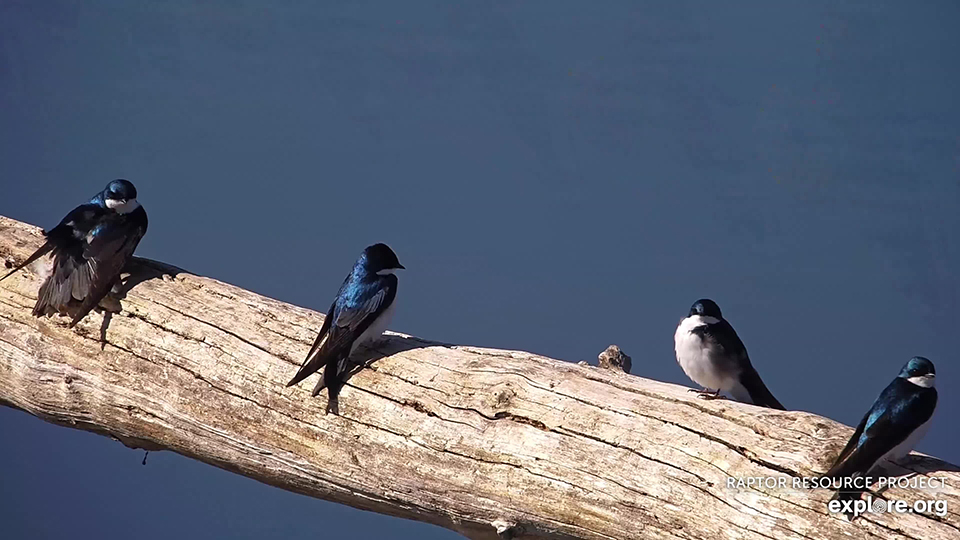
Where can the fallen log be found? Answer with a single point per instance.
(489, 443)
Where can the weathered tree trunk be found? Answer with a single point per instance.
(471, 439)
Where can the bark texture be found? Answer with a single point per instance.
(485, 442)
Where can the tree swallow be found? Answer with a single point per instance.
(898, 419)
(712, 355)
(359, 314)
(90, 247)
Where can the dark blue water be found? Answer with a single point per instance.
(556, 176)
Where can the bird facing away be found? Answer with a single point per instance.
(359, 314)
(712, 355)
(90, 247)
(898, 419)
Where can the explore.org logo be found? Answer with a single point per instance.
(856, 507)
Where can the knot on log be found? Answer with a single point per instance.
(613, 358)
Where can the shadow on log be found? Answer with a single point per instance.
(489, 443)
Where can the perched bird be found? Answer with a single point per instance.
(898, 419)
(90, 247)
(359, 314)
(712, 355)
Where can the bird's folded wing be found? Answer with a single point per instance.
(340, 328)
(882, 431)
(351, 322)
(106, 255)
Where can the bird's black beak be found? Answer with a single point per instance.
(401, 267)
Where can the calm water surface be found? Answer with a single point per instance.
(556, 176)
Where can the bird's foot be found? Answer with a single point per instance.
(706, 393)
(333, 406)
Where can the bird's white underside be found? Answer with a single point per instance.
(387, 272)
(900, 451)
(376, 328)
(695, 359)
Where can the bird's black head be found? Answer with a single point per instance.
(121, 196)
(120, 190)
(919, 371)
(380, 259)
(706, 308)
